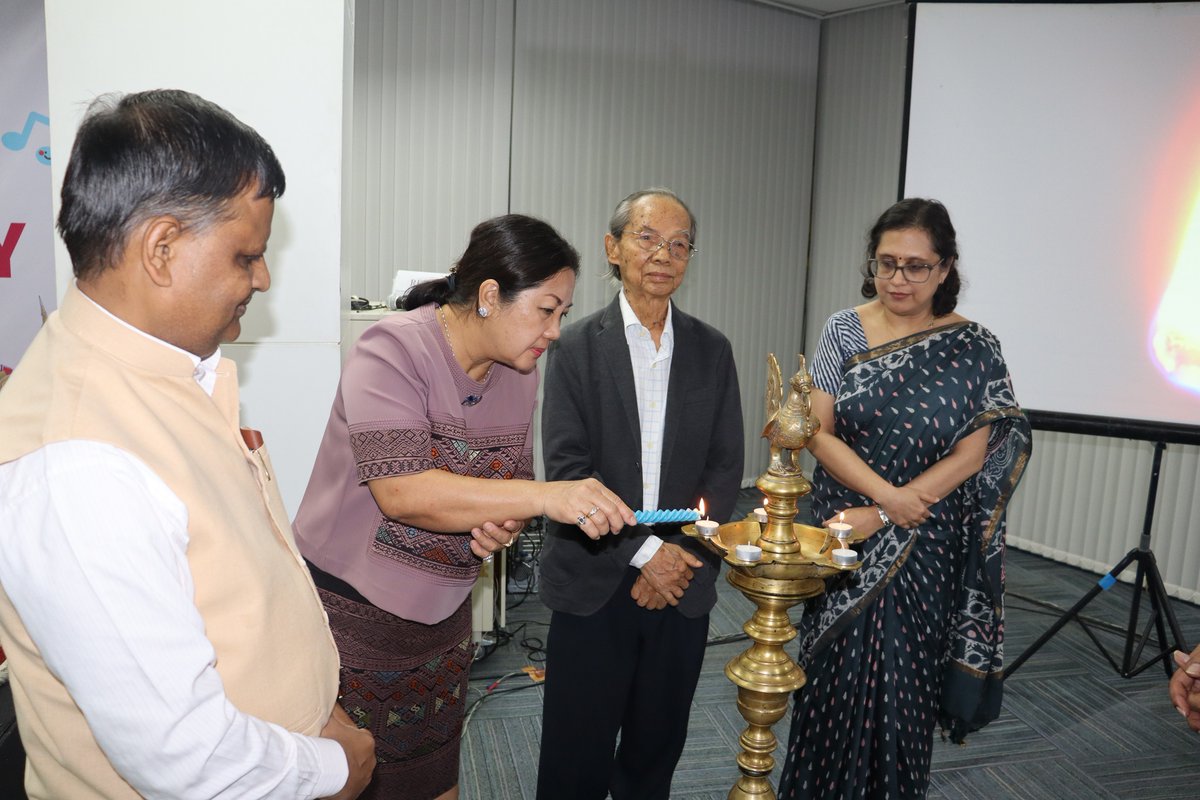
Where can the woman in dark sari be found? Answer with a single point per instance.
(921, 445)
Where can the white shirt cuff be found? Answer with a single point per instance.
(646, 551)
(330, 760)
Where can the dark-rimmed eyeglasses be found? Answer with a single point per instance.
(913, 273)
(651, 243)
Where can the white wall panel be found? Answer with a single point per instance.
(289, 87)
(431, 116)
(857, 174)
(860, 113)
(714, 99)
(286, 392)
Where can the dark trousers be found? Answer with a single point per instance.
(621, 669)
(12, 754)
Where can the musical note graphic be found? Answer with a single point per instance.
(14, 140)
(1175, 336)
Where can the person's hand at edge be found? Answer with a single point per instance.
(1184, 688)
(360, 752)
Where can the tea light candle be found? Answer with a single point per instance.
(844, 556)
(841, 529)
(706, 526)
(748, 552)
(760, 516)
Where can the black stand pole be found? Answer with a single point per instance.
(1148, 577)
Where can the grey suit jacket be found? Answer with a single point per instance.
(590, 428)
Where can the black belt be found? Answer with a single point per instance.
(334, 584)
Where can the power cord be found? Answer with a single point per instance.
(535, 648)
(523, 565)
(491, 691)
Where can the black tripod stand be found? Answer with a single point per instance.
(1148, 579)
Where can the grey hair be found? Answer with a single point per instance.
(624, 211)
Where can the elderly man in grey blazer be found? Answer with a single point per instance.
(645, 398)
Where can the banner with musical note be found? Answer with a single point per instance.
(27, 283)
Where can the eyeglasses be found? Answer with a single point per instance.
(913, 273)
(678, 249)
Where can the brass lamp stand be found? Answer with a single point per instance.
(794, 563)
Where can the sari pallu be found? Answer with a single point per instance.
(928, 600)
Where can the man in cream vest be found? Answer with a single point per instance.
(164, 637)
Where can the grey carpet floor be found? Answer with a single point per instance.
(1071, 727)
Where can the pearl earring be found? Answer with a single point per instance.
(483, 312)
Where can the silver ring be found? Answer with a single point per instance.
(593, 511)
(581, 520)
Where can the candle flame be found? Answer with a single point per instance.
(842, 516)
(702, 508)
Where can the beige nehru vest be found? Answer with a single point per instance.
(88, 377)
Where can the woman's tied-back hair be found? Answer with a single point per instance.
(931, 217)
(516, 251)
(148, 154)
(624, 211)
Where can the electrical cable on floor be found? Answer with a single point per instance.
(525, 557)
(535, 648)
(491, 691)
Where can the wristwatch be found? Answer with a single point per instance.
(883, 517)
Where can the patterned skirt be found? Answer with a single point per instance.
(407, 684)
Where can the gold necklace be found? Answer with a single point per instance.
(449, 341)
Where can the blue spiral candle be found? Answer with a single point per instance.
(665, 515)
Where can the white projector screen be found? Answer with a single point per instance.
(1065, 141)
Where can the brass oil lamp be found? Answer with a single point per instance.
(793, 561)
